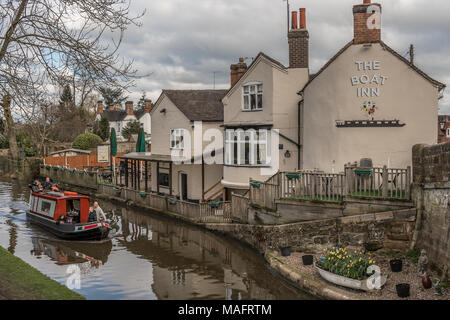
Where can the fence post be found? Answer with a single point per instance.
(346, 181)
(408, 182)
(385, 182)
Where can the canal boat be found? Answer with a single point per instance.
(66, 215)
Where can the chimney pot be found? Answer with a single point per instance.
(294, 20)
(129, 108)
(99, 106)
(148, 106)
(362, 33)
(302, 18)
(237, 71)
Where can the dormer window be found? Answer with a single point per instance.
(252, 96)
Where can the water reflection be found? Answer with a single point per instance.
(150, 257)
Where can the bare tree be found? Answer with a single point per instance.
(43, 42)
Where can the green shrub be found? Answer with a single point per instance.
(86, 141)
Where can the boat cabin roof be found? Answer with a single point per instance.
(59, 195)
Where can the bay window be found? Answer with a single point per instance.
(252, 96)
(247, 148)
(177, 139)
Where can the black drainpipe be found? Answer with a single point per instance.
(299, 133)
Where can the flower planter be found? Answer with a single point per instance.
(307, 260)
(363, 171)
(171, 201)
(347, 282)
(255, 185)
(143, 194)
(214, 205)
(403, 290)
(285, 251)
(291, 176)
(396, 265)
(426, 282)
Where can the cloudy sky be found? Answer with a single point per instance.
(184, 43)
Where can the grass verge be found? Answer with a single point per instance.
(20, 281)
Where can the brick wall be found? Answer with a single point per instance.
(362, 34)
(298, 48)
(78, 162)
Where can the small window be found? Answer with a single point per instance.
(252, 97)
(163, 180)
(448, 132)
(46, 207)
(177, 139)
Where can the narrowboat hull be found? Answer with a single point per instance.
(66, 231)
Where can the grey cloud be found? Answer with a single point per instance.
(183, 42)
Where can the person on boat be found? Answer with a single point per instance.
(47, 185)
(62, 219)
(36, 186)
(99, 212)
(92, 215)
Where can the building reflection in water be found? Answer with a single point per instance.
(189, 263)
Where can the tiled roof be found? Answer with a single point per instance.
(114, 115)
(198, 105)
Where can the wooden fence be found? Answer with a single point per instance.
(239, 206)
(380, 183)
(219, 212)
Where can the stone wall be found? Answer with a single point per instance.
(391, 230)
(431, 194)
(70, 177)
(27, 168)
(431, 163)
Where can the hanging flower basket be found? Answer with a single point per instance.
(291, 176)
(171, 201)
(143, 194)
(364, 171)
(214, 204)
(255, 184)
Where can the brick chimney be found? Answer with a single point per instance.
(99, 107)
(129, 108)
(237, 71)
(362, 15)
(298, 41)
(148, 106)
(117, 107)
(111, 107)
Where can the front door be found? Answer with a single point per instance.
(183, 186)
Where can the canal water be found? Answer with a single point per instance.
(150, 257)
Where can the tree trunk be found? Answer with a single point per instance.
(10, 129)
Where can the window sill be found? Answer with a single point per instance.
(247, 166)
(255, 110)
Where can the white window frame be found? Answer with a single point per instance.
(246, 96)
(177, 133)
(244, 137)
